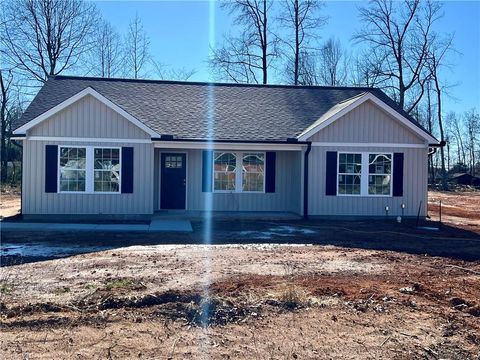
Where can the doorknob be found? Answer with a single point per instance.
(184, 182)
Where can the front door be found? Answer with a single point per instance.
(173, 180)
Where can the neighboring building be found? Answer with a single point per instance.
(464, 179)
(128, 148)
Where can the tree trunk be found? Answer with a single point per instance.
(265, 42)
(442, 136)
(297, 44)
(3, 130)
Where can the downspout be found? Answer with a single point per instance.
(305, 180)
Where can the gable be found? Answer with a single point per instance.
(89, 118)
(367, 123)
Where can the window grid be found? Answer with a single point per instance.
(349, 173)
(72, 169)
(224, 171)
(106, 170)
(253, 172)
(379, 174)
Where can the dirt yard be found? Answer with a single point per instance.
(9, 202)
(243, 301)
(356, 300)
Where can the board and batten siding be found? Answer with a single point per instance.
(86, 118)
(368, 124)
(287, 196)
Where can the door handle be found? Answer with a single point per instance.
(184, 182)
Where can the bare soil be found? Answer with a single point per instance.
(459, 209)
(241, 301)
(9, 201)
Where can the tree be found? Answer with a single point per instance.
(301, 18)
(398, 35)
(165, 72)
(6, 79)
(363, 74)
(435, 60)
(137, 48)
(472, 122)
(105, 57)
(247, 58)
(333, 63)
(46, 37)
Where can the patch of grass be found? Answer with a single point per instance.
(90, 286)
(6, 288)
(118, 284)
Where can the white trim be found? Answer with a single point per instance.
(396, 145)
(365, 173)
(238, 173)
(227, 146)
(87, 91)
(80, 139)
(89, 170)
(361, 99)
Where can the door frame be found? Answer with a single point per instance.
(160, 178)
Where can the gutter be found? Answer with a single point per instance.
(170, 138)
(305, 180)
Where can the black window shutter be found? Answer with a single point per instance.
(270, 171)
(127, 170)
(51, 168)
(207, 170)
(398, 174)
(331, 173)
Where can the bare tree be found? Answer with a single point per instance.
(137, 48)
(399, 37)
(472, 122)
(363, 74)
(435, 60)
(105, 57)
(247, 58)
(165, 72)
(333, 63)
(302, 20)
(6, 79)
(46, 37)
(455, 128)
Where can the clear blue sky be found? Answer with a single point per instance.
(179, 32)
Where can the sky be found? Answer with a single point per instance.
(181, 33)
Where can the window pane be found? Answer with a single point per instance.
(72, 169)
(349, 177)
(380, 163)
(379, 184)
(107, 170)
(224, 169)
(253, 168)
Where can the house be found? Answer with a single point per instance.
(464, 179)
(127, 148)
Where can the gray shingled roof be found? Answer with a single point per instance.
(183, 109)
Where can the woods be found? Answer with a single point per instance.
(398, 47)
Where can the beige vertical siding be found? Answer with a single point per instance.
(88, 117)
(36, 201)
(287, 197)
(367, 123)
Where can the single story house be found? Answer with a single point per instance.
(464, 179)
(128, 148)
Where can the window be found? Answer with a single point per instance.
(253, 170)
(349, 173)
(364, 174)
(89, 169)
(379, 174)
(72, 169)
(224, 171)
(107, 170)
(239, 171)
(173, 162)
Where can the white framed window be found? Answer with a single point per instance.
(238, 171)
(224, 171)
(364, 174)
(106, 172)
(72, 169)
(379, 174)
(349, 173)
(89, 169)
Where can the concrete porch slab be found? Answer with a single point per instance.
(170, 225)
